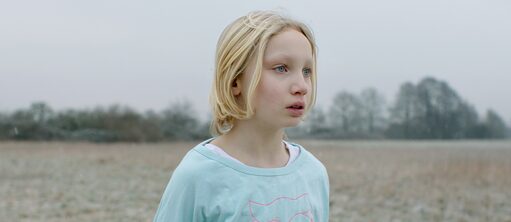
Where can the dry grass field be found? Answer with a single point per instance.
(370, 181)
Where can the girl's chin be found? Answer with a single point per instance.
(294, 123)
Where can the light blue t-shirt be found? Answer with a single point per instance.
(208, 187)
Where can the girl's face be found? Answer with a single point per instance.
(285, 86)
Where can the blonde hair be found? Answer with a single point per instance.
(246, 37)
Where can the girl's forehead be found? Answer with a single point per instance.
(289, 44)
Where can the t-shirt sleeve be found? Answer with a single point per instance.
(180, 201)
(326, 198)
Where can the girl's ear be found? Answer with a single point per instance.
(236, 87)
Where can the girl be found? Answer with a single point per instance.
(265, 81)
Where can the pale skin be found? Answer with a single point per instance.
(285, 80)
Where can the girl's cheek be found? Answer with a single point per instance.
(268, 93)
(274, 95)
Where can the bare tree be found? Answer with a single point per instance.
(405, 111)
(373, 104)
(179, 122)
(432, 109)
(346, 113)
(496, 127)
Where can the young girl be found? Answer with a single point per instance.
(265, 81)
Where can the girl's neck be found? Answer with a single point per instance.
(254, 145)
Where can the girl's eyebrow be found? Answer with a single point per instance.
(285, 57)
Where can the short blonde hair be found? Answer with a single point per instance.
(246, 37)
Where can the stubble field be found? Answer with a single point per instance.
(370, 181)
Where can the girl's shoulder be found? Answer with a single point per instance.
(193, 167)
(304, 151)
(310, 158)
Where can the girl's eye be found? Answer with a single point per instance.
(307, 72)
(281, 68)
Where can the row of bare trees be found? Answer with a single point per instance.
(110, 124)
(430, 109)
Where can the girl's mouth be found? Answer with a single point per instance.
(296, 110)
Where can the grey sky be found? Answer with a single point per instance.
(147, 54)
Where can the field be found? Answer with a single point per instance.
(370, 181)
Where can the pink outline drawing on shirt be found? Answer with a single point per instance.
(300, 205)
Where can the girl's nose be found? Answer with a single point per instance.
(300, 86)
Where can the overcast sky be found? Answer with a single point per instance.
(148, 54)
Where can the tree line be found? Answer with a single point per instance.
(103, 124)
(430, 109)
